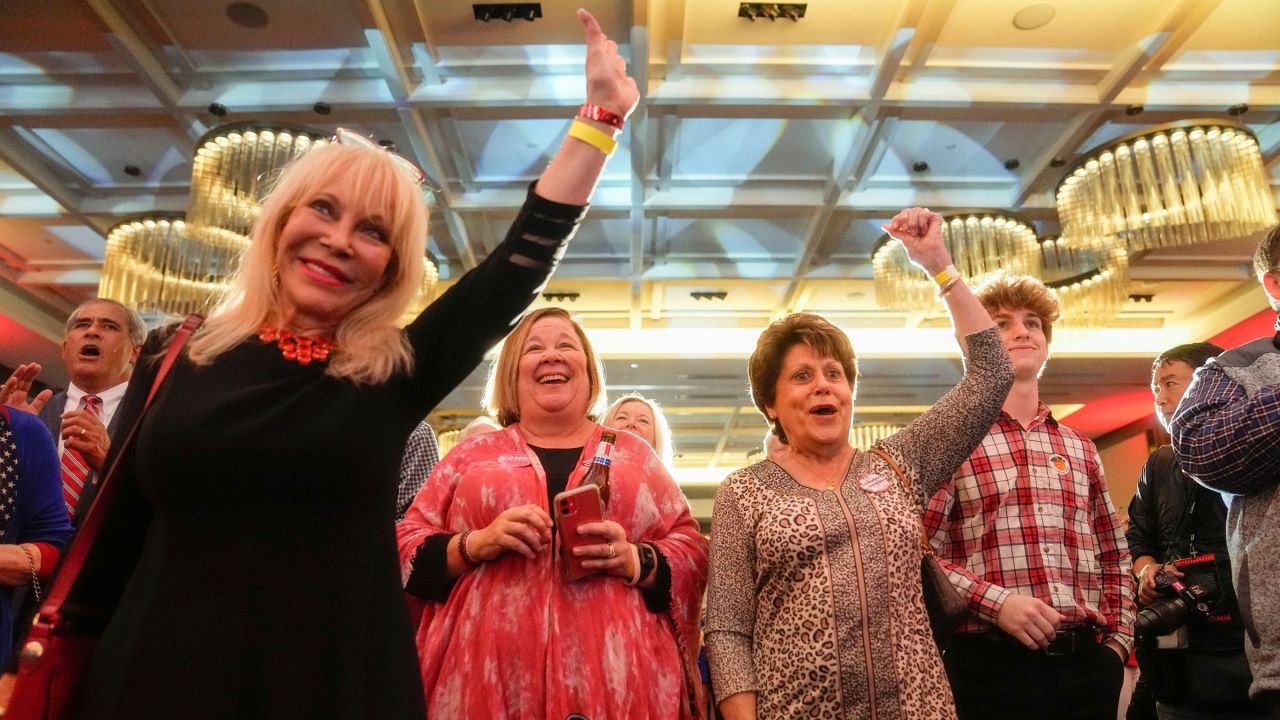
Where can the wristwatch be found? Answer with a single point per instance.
(648, 561)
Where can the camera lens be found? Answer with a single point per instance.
(1161, 617)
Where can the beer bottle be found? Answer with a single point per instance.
(598, 473)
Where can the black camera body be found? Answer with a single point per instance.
(1196, 597)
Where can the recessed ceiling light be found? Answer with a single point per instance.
(1033, 16)
(247, 15)
(635, 366)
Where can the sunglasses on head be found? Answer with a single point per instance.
(343, 136)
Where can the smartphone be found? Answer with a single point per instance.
(574, 508)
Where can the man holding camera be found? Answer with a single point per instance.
(1196, 668)
(1225, 435)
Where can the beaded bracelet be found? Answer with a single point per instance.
(599, 114)
(593, 137)
(31, 567)
(462, 549)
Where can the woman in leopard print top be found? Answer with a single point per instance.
(815, 604)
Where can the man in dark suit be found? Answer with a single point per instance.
(102, 341)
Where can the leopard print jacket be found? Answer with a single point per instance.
(814, 601)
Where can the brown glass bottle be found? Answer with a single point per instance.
(598, 473)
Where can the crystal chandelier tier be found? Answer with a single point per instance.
(1187, 182)
(168, 264)
(1092, 284)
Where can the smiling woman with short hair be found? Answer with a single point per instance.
(503, 634)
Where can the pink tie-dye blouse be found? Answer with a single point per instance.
(515, 639)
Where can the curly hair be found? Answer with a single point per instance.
(1021, 292)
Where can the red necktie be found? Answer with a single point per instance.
(74, 468)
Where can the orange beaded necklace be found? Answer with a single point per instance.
(297, 348)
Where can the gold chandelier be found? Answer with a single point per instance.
(1187, 182)
(149, 266)
(981, 242)
(165, 265)
(1092, 284)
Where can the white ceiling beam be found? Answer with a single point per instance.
(21, 157)
(725, 436)
(427, 55)
(427, 156)
(149, 68)
(21, 307)
(1143, 59)
(1181, 22)
(386, 46)
(857, 158)
(66, 277)
(393, 73)
(929, 22)
(677, 24)
(638, 129)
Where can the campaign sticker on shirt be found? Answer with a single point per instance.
(1059, 464)
(514, 460)
(874, 482)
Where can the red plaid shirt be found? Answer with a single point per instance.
(1029, 513)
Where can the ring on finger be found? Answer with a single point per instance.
(613, 552)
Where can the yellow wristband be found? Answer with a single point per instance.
(593, 137)
(947, 273)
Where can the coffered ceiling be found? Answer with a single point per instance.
(751, 181)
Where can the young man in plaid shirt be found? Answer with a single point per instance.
(1029, 536)
(1225, 435)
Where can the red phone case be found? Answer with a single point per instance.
(574, 508)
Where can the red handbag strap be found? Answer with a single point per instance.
(83, 540)
(902, 478)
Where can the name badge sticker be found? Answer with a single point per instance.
(514, 460)
(1059, 464)
(875, 482)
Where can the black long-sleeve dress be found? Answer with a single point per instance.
(262, 496)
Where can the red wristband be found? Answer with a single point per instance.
(599, 114)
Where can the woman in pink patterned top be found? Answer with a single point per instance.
(503, 633)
